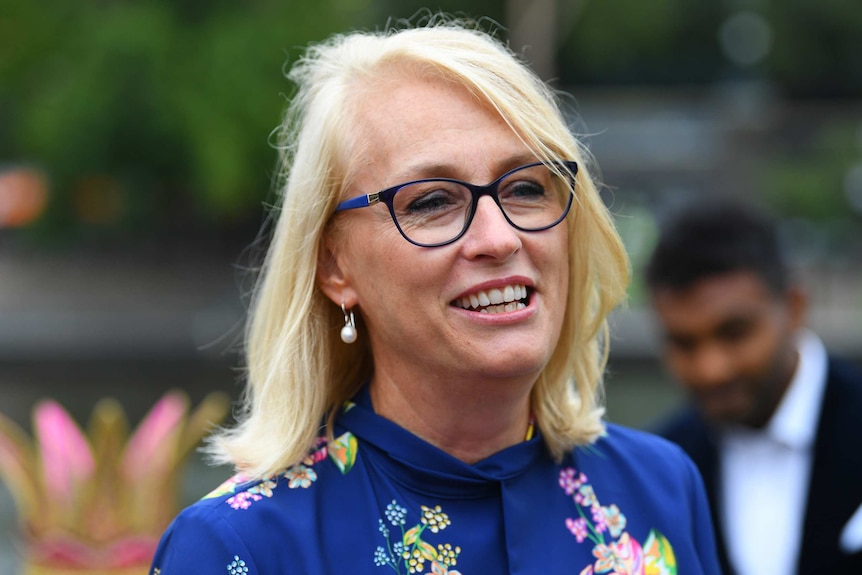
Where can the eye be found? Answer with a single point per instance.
(680, 343)
(430, 198)
(523, 189)
(736, 330)
(430, 202)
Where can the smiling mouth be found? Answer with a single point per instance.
(496, 300)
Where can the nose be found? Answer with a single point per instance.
(490, 234)
(710, 367)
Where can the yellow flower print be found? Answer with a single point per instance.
(447, 555)
(434, 518)
(409, 553)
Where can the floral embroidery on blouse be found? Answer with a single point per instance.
(409, 552)
(342, 451)
(237, 566)
(616, 552)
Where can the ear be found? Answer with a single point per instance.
(332, 277)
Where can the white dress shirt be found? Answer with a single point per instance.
(765, 472)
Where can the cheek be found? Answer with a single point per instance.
(760, 347)
(553, 254)
(396, 274)
(371, 247)
(682, 364)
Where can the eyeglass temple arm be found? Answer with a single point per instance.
(358, 202)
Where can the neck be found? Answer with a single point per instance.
(469, 420)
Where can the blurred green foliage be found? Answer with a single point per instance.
(806, 182)
(152, 116)
(655, 42)
(818, 47)
(814, 47)
(170, 101)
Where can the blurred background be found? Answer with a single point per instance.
(136, 161)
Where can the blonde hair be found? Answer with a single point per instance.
(299, 372)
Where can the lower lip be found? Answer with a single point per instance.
(499, 318)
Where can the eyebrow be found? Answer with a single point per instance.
(446, 170)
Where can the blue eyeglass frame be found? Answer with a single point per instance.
(386, 196)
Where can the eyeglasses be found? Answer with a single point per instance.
(434, 212)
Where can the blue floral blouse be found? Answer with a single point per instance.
(379, 500)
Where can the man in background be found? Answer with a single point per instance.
(775, 422)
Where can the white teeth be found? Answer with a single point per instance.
(512, 306)
(496, 300)
(509, 293)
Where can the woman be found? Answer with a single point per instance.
(451, 336)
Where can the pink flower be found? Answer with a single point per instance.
(319, 455)
(578, 527)
(243, 500)
(571, 480)
(599, 523)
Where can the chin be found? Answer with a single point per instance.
(516, 366)
(723, 416)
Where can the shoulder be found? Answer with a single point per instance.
(636, 445)
(291, 489)
(842, 398)
(640, 459)
(846, 375)
(657, 487)
(223, 514)
(686, 428)
(243, 519)
(202, 540)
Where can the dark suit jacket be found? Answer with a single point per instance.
(835, 491)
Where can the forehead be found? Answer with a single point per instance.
(712, 300)
(411, 125)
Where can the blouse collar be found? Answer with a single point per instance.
(411, 460)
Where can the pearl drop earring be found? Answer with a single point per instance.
(348, 332)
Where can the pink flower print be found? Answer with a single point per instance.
(578, 527)
(243, 500)
(300, 476)
(571, 480)
(614, 519)
(588, 570)
(598, 518)
(629, 556)
(586, 496)
(319, 455)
